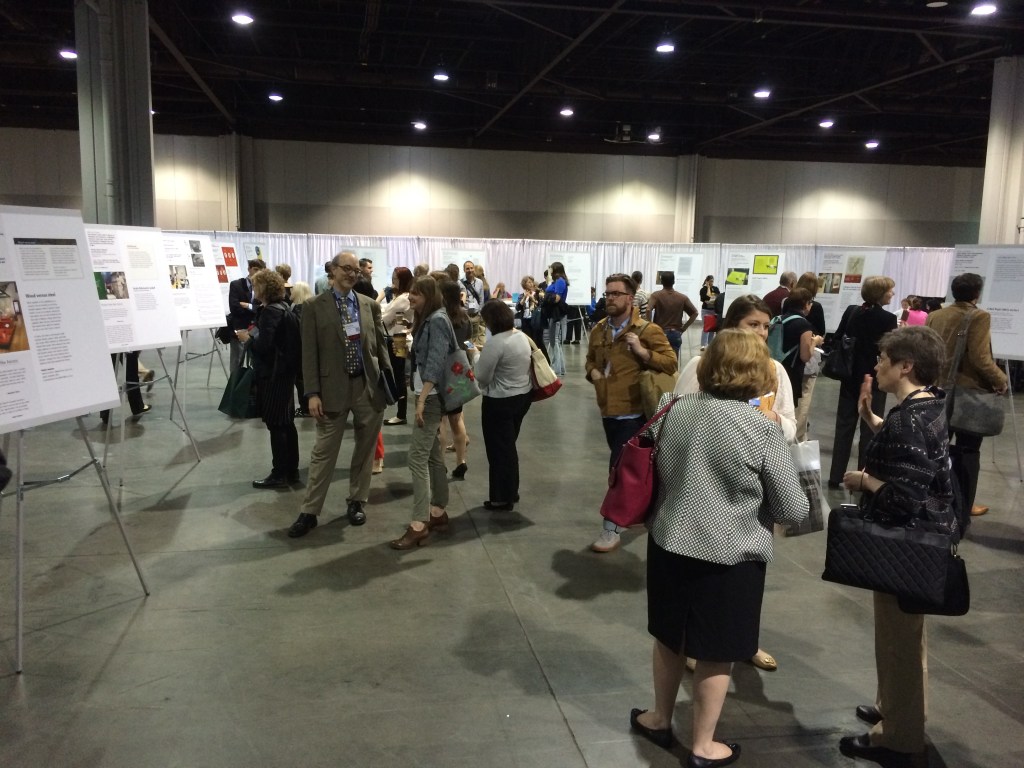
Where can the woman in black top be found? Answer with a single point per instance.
(867, 324)
(451, 295)
(816, 317)
(708, 294)
(798, 338)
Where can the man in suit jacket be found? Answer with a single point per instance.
(242, 306)
(775, 298)
(344, 351)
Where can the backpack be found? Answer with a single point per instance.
(775, 338)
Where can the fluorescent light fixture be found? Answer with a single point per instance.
(566, 112)
(655, 135)
(441, 76)
(826, 123)
(242, 18)
(67, 53)
(937, 4)
(276, 97)
(419, 125)
(762, 93)
(873, 144)
(984, 9)
(665, 46)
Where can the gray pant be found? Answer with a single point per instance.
(426, 462)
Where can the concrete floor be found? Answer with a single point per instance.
(506, 643)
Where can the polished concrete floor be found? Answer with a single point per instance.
(506, 643)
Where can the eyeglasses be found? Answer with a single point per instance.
(614, 294)
(348, 270)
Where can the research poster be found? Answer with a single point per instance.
(687, 268)
(130, 274)
(1002, 269)
(256, 251)
(578, 269)
(841, 273)
(229, 267)
(751, 272)
(54, 362)
(379, 256)
(192, 274)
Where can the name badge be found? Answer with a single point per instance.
(352, 329)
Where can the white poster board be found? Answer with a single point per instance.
(1002, 269)
(229, 267)
(54, 362)
(578, 269)
(841, 273)
(379, 257)
(256, 250)
(192, 274)
(130, 274)
(752, 272)
(688, 268)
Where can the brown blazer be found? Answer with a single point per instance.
(323, 351)
(977, 368)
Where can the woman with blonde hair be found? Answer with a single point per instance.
(725, 477)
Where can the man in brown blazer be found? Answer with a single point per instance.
(343, 354)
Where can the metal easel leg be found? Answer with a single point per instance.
(174, 402)
(1013, 420)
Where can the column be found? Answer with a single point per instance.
(1002, 198)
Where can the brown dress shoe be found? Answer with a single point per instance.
(437, 523)
(411, 539)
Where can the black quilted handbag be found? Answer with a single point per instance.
(909, 561)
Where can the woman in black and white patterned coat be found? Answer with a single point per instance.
(725, 477)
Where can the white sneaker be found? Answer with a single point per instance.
(608, 541)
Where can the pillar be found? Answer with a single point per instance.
(1002, 198)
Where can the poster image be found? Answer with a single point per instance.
(854, 270)
(230, 259)
(766, 265)
(829, 282)
(197, 259)
(111, 285)
(12, 327)
(738, 276)
(222, 274)
(196, 246)
(179, 276)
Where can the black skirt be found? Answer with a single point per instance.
(704, 610)
(275, 401)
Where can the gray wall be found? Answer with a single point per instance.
(373, 190)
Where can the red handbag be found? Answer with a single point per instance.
(710, 323)
(633, 481)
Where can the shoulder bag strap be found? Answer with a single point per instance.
(961, 346)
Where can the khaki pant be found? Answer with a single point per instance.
(901, 658)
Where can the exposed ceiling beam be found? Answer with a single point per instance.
(184, 63)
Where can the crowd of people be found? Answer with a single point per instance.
(725, 473)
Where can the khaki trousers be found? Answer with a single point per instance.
(901, 658)
(366, 423)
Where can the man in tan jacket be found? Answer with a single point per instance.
(977, 370)
(621, 346)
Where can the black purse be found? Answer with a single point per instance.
(915, 561)
(838, 364)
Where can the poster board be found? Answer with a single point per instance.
(688, 268)
(754, 272)
(229, 266)
(578, 269)
(192, 276)
(54, 362)
(1002, 296)
(841, 273)
(379, 256)
(256, 250)
(130, 274)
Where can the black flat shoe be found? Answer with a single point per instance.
(869, 714)
(302, 525)
(498, 506)
(694, 761)
(355, 513)
(270, 481)
(145, 409)
(860, 746)
(459, 473)
(662, 737)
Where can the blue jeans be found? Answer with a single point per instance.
(556, 335)
(705, 336)
(675, 340)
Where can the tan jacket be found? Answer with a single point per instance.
(618, 394)
(977, 368)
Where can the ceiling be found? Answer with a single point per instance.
(916, 79)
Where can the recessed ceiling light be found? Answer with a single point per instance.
(665, 46)
(655, 135)
(152, 111)
(937, 4)
(441, 76)
(984, 9)
(762, 93)
(276, 97)
(826, 123)
(242, 18)
(566, 112)
(68, 54)
(419, 125)
(873, 144)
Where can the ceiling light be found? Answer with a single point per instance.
(665, 46)
(441, 76)
(826, 123)
(873, 144)
(984, 9)
(937, 4)
(276, 97)
(242, 18)
(67, 53)
(566, 112)
(655, 135)
(419, 125)
(152, 112)
(762, 93)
